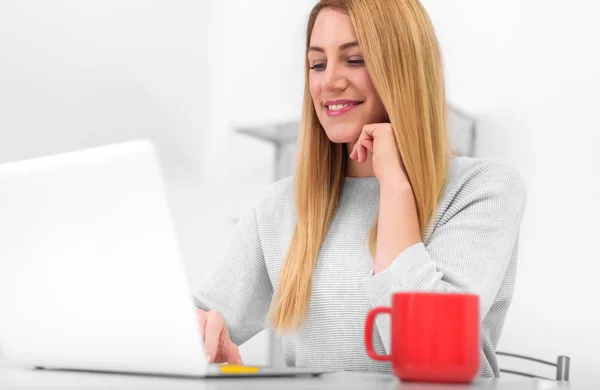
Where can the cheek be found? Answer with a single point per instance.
(314, 86)
(365, 85)
(367, 88)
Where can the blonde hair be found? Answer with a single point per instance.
(402, 57)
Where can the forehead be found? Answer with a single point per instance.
(332, 28)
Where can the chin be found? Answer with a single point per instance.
(341, 135)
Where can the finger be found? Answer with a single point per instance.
(364, 153)
(359, 150)
(373, 128)
(212, 335)
(366, 140)
(201, 314)
(355, 149)
(357, 145)
(233, 354)
(352, 153)
(369, 130)
(368, 144)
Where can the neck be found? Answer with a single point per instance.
(358, 169)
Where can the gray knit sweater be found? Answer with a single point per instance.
(473, 247)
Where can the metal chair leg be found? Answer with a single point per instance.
(562, 368)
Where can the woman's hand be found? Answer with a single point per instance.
(398, 226)
(217, 344)
(379, 139)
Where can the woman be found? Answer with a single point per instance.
(377, 204)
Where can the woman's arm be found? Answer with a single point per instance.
(470, 244)
(469, 248)
(476, 229)
(239, 287)
(398, 226)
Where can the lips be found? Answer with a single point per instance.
(340, 107)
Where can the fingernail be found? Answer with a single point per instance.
(208, 357)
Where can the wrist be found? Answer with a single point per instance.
(396, 188)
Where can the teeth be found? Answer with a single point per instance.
(336, 107)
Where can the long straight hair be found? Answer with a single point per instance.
(403, 59)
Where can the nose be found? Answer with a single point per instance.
(334, 79)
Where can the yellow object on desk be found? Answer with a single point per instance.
(238, 369)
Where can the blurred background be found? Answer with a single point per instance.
(217, 82)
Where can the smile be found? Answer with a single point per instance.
(340, 108)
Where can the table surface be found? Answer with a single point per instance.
(12, 377)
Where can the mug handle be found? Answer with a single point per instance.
(369, 332)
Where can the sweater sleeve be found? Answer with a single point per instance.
(239, 286)
(469, 248)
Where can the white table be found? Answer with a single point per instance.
(14, 377)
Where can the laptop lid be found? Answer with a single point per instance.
(91, 272)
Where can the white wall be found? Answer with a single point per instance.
(75, 74)
(531, 71)
(82, 73)
(256, 76)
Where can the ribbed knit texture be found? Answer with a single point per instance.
(473, 248)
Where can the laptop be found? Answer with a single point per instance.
(91, 276)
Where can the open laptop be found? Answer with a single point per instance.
(91, 274)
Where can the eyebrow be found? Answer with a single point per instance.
(342, 47)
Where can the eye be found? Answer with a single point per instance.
(356, 62)
(318, 67)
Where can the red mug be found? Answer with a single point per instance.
(435, 336)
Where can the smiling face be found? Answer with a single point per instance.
(341, 89)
